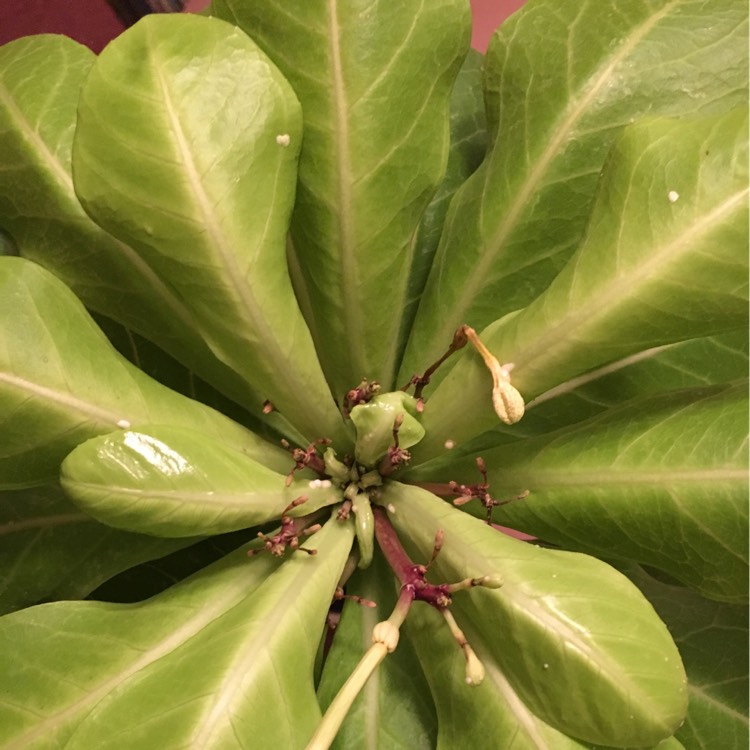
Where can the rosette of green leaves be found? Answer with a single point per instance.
(600, 247)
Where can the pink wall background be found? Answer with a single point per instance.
(488, 15)
(90, 22)
(94, 23)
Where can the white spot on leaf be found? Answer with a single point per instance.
(319, 484)
(283, 139)
(673, 196)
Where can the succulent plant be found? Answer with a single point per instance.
(358, 388)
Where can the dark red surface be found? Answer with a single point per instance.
(94, 23)
(91, 22)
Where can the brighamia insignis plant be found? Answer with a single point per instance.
(340, 256)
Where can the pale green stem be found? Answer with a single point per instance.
(339, 708)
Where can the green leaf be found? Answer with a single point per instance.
(468, 130)
(490, 715)
(712, 360)
(177, 482)
(156, 363)
(712, 638)
(222, 660)
(62, 383)
(664, 260)
(51, 550)
(188, 137)
(39, 208)
(575, 639)
(393, 710)
(152, 577)
(662, 481)
(374, 79)
(561, 83)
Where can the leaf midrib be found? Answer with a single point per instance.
(621, 288)
(44, 522)
(238, 500)
(698, 693)
(176, 638)
(574, 383)
(608, 476)
(349, 281)
(254, 656)
(536, 608)
(527, 721)
(518, 602)
(66, 183)
(91, 412)
(267, 340)
(217, 238)
(489, 256)
(37, 142)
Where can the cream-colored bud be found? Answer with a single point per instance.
(508, 402)
(386, 632)
(474, 667)
(494, 581)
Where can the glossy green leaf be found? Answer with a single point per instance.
(375, 422)
(632, 358)
(394, 709)
(50, 550)
(188, 137)
(490, 716)
(156, 363)
(62, 383)
(711, 360)
(222, 660)
(576, 640)
(468, 143)
(713, 642)
(374, 80)
(662, 481)
(694, 363)
(177, 482)
(39, 208)
(561, 82)
(664, 260)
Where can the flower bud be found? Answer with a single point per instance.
(474, 667)
(508, 402)
(386, 632)
(494, 581)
